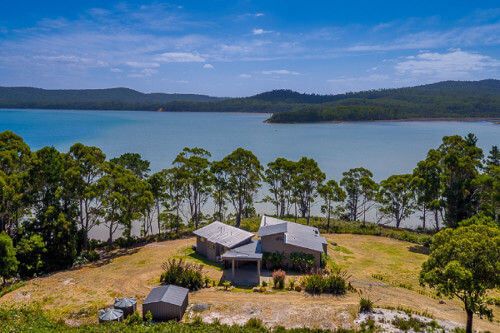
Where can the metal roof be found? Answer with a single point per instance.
(252, 250)
(167, 294)
(295, 234)
(223, 234)
(124, 302)
(110, 314)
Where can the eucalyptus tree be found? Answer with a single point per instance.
(306, 180)
(134, 163)
(427, 187)
(15, 161)
(360, 190)
(220, 194)
(331, 193)
(175, 194)
(396, 198)
(158, 186)
(460, 161)
(8, 261)
(194, 168)
(125, 198)
(84, 171)
(279, 176)
(242, 172)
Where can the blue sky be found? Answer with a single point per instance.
(239, 48)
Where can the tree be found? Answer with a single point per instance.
(331, 193)
(360, 189)
(158, 187)
(426, 185)
(493, 159)
(30, 253)
(8, 261)
(134, 163)
(15, 159)
(488, 188)
(242, 174)
(126, 197)
(219, 190)
(85, 169)
(463, 263)
(197, 179)
(175, 195)
(460, 160)
(305, 181)
(278, 175)
(395, 197)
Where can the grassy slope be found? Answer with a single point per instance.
(385, 269)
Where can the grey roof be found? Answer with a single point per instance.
(252, 250)
(167, 294)
(110, 314)
(295, 234)
(124, 302)
(223, 234)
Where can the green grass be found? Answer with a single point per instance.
(189, 254)
(11, 287)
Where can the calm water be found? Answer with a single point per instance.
(384, 147)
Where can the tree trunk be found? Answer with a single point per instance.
(468, 327)
(328, 220)
(110, 239)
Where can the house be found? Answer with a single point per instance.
(216, 238)
(236, 248)
(288, 237)
(166, 302)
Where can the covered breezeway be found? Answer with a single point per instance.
(243, 264)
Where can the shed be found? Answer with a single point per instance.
(110, 314)
(127, 305)
(166, 302)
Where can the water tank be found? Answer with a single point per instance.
(127, 305)
(109, 314)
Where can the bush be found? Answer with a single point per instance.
(181, 273)
(264, 283)
(291, 284)
(302, 262)
(226, 285)
(332, 283)
(279, 279)
(273, 260)
(254, 323)
(365, 305)
(30, 252)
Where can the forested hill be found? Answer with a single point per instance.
(113, 99)
(448, 99)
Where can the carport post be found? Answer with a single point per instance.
(232, 266)
(258, 268)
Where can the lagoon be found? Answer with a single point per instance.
(386, 148)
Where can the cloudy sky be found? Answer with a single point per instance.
(239, 48)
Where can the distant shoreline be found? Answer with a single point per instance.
(493, 120)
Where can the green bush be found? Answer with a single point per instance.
(181, 273)
(365, 305)
(254, 323)
(279, 279)
(335, 284)
(332, 283)
(314, 283)
(273, 260)
(302, 262)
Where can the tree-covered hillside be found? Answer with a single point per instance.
(448, 99)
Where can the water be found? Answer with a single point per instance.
(385, 148)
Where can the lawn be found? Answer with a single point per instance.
(382, 268)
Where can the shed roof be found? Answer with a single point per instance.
(167, 294)
(252, 250)
(223, 234)
(295, 234)
(110, 314)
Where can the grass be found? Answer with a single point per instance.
(75, 295)
(11, 287)
(189, 254)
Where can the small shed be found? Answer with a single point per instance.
(166, 302)
(127, 305)
(110, 314)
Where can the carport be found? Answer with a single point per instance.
(239, 259)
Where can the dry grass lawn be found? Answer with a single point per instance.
(384, 269)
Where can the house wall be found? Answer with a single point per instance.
(276, 243)
(289, 249)
(206, 248)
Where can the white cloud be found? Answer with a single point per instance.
(368, 78)
(180, 57)
(259, 14)
(259, 31)
(453, 64)
(280, 72)
(146, 72)
(208, 66)
(245, 76)
(116, 70)
(138, 64)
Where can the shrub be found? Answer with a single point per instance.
(226, 285)
(365, 305)
(411, 323)
(264, 283)
(314, 283)
(134, 319)
(273, 260)
(208, 282)
(182, 274)
(302, 262)
(291, 284)
(279, 279)
(254, 323)
(30, 252)
(333, 283)
(298, 288)
(324, 260)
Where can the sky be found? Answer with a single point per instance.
(240, 48)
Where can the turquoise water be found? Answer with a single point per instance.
(384, 147)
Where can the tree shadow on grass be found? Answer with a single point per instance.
(419, 249)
